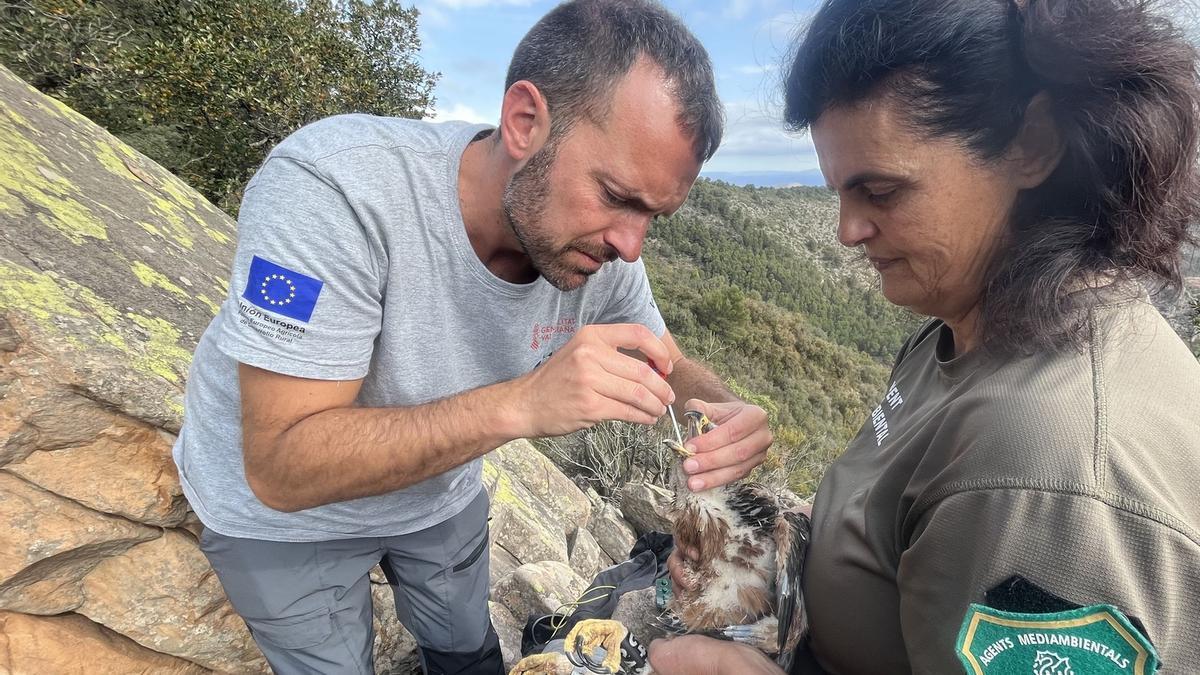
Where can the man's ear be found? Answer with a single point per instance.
(1039, 145)
(524, 121)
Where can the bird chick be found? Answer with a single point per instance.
(744, 583)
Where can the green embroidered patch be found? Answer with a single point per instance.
(1096, 640)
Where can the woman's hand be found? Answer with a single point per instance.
(698, 655)
(675, 562)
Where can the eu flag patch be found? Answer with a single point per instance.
(277, 289)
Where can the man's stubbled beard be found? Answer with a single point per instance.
(524, 202)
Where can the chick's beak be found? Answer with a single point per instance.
(678, 449)
(697, 424)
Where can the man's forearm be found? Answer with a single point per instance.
(346, 453)
(690, 380)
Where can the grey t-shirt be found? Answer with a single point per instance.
(1025, 484)
(353, 262)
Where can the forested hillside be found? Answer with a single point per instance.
(779, 245)
(754, 281)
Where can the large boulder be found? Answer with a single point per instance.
(538, 589)
(508, 629)
(164, 595)
(502, 562)
(52, 544)
(110, 472)
(614, 535)
(110, 269)
(587, 558)
(559, 496)
(523, 525)
(535, 507)
(645, 507)
(109, 265)
(72, 644)
(639, 613)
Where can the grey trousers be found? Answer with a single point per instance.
(308, 605)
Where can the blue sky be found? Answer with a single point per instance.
(470, 43)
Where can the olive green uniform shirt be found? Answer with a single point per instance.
(1079, 471)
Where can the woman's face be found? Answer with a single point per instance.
(928, 216)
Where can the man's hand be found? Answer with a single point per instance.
(733, 449)
(698, 655)
(589, 381)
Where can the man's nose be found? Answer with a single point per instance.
(627, 236)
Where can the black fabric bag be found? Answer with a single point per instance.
(647, 562)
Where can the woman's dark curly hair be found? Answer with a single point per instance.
(1125, 92)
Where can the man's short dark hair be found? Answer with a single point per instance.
(578, 53)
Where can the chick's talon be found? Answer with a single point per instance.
(590, 635)
(543, 664)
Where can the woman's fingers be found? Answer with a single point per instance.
(675, 570)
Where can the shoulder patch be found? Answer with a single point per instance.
(1097, 640)
(277, 289)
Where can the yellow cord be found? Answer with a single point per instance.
(558, 620)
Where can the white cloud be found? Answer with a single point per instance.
(738, 9)
(763, 136)
(437, 13)
(757, 69)
(781, 30)
(755, 140)
(465, 113)
(431, 15)
(768, 51)
(461, 4)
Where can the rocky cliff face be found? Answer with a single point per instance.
(110, 268)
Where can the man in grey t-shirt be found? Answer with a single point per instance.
(407, 296)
